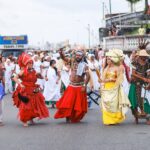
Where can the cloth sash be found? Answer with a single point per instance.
(81, 68)
(114, 100)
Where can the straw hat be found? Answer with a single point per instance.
(142, 53)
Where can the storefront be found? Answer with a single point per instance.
(13, 45)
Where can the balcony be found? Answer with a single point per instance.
(126, 43)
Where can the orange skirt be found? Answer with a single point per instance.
(72, 105)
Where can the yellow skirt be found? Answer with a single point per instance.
(110, 118)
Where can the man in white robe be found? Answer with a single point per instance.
(94, 66)
(45, 66)
(95, 78)
(37, 66)
(8, 74)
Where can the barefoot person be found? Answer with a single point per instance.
(73, 104)
(27, 96)
(140, 67)
(114, 102)
(146, 96)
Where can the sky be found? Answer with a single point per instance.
(56, 20)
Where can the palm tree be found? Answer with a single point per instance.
(132, 2)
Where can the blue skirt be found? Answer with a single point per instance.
(2, 91)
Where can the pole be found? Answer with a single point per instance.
(110, 12)
(146, 5)
(89, 35)
(110, 6)
(103, 10)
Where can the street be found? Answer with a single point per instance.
(90, 134)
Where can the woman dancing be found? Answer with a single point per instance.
(27, 96)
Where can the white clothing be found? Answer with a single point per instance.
(125, 84)
(51, 90)
(92, 66)
(7, 75)
(65, 76)
(146, 94)
(46, 65)
(37, 67)
(17, 69)
(1, 110)
(101, 64)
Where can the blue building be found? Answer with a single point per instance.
(13, 45)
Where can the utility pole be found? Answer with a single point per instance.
(110, 6)
(103, 10)
(89, 35)
(110, 11)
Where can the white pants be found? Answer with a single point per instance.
(8, 87)
(1, 110)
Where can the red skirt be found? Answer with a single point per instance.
(72, 105)
(35, 108)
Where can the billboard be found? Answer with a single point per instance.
(13, 42)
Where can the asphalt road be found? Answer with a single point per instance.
(90, 134)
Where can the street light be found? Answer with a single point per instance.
(89, 33)
(110, 11)
(110, 6)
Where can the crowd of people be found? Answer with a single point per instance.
(39, 81)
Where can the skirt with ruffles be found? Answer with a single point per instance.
(72, 105)
(34, 108)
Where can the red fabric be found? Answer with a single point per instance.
(72, 105)
(23, 60)
(36, 106)
(148, 11)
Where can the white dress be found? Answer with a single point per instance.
(46, 65)
(125, 84)
(51, 90)
(16, 69)
(92, 66)
(8, 81)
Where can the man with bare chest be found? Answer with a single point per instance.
(73, 104)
